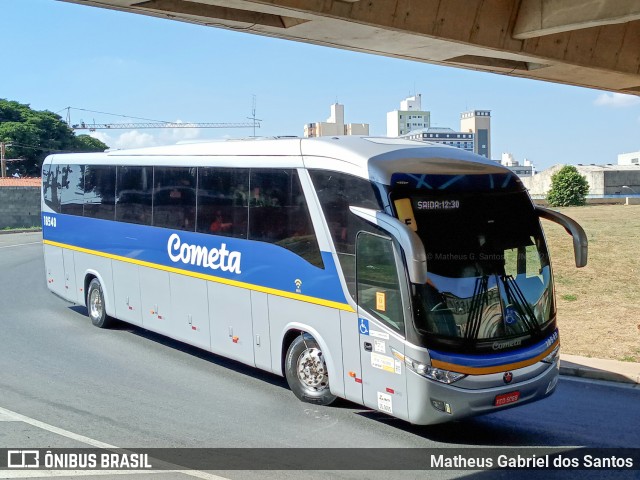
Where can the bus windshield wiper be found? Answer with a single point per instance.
(515, 296)
(479, 300)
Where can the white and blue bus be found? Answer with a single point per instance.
(408, 277)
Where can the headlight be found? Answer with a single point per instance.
(427, 371)
(552, 356)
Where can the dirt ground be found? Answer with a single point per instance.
(599, 305)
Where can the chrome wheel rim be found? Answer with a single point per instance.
(95, 304)
(312, 371)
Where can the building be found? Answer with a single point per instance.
(409, 117)
(445, 136)
(479, 123)
(603, 179)
(335, 125)
(632, 158)
(524, 170)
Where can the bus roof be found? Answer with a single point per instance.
(376, 158)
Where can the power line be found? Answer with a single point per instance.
(113, 114)
(131, 126)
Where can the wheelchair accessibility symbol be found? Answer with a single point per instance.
(363, 326)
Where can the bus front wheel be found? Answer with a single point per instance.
(95, 305)
(306, 371)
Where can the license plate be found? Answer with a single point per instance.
(506, 398)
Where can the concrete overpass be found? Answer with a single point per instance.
(590, 43)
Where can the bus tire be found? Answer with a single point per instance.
(95, 305)
(306, 371)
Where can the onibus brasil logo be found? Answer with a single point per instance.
(213, 258)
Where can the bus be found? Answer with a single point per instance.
(408, 277)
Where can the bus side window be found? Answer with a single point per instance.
(278, 213)
(51, 190)
(46, 168)
(336, 192)
(133, 195)
(174, 198)
(223, 201)
(377, 279)
(100, 191)
(72, 189)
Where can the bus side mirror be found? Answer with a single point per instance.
(407, 238)
(573, 228)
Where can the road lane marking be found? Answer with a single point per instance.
(56, 430)
(20, 244)
(14, 416)
(7, 418)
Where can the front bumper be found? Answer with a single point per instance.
(464, 402)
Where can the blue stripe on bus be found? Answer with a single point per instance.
(496, 359)
(261, 264)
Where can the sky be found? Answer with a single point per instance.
(55, 55)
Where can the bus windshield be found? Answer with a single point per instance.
(489, 284)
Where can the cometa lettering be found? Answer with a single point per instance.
(501, 345)
(213, 258)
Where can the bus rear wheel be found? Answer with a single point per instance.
(306, 371)
(95, 305)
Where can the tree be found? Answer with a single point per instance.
(34, 134)
(568, 188)
(90, 144)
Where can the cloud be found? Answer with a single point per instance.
(135, 139)
(103, 137)
(616, 100)
(129, 139)
(156, 137)
(175, 135)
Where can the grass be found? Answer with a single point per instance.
(599, 305)
(10, 229)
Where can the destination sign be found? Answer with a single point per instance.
(436, 204)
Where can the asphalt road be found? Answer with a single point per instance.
(127, 387)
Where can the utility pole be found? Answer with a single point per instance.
(3, 162)
(253, 117)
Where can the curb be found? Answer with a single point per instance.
(629, 374)
(20, 230)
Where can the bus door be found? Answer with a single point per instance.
(381, 320)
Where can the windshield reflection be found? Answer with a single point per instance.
(484, 307)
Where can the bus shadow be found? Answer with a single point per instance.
(205, 355)
(479, 431)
